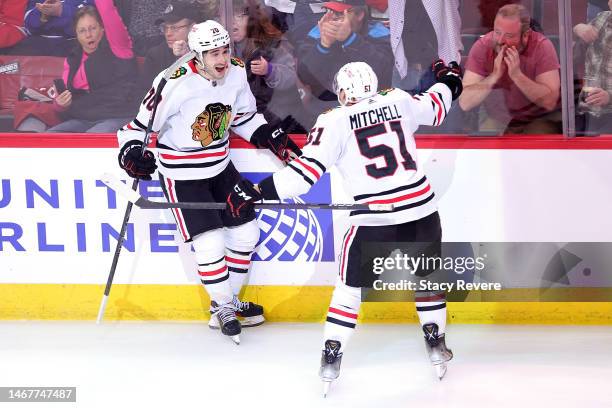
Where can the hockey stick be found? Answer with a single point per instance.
(128, 210)
(134, 198)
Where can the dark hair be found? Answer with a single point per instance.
(517, 11)
(363, 29)
(260, 32)
(87, 11)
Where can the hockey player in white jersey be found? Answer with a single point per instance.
(203, 100)
(369, 139)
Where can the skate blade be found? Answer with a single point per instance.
(252, 321)
(326, 386)
(236, 339)
(440, 370)
(213, 323)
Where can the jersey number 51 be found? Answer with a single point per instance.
(383, 150)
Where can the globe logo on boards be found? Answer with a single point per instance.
(289, 235)
(296, 235)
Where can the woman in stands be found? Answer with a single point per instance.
(270, 66)
(100, 74)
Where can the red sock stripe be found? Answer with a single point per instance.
(343, 313)
(215, 272)
(237, 261)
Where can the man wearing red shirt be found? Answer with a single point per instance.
(514, 72)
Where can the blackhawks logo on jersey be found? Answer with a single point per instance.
(179, 73)
(211, 124)
(237, 61)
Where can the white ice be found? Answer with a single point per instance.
(136, 364)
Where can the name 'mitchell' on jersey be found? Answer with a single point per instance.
(372, 145)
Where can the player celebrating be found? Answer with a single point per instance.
(356, 137)
(203, 100)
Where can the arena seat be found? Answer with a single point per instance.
(23, 71)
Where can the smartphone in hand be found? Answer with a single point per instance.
(60, 86)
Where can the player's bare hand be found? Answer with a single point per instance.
(64, 100)
(260, 66)
(597, 97)
(327, 30)
(180, 48)
(513, 62)
(343, 27)
(499, 67)
(586, 32)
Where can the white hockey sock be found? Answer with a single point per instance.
(342, 314)
(431, 308)
(210, 256)
(215, 278)
(238, 264)
(240, 242)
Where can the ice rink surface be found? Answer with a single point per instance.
(136, 364)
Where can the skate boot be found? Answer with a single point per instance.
(331, 359)
(251, 314)
(225, 316)
(439, 355)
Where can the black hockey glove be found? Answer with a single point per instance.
(277, 141)
(134, 163)
(450, 75)
(240, 200)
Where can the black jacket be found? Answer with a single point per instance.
(112, 82)
(157, 59)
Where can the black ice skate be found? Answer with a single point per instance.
(439, 355)
(225, 316)
(331, 359)
(249, 313)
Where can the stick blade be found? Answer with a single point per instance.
(120, 188)
(381, 207)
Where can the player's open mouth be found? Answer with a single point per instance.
(220, 69)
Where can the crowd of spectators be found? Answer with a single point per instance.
(114, 48)
(270, 65)
(174, 24)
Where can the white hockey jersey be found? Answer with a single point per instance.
(193, 120)
(372, 145)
